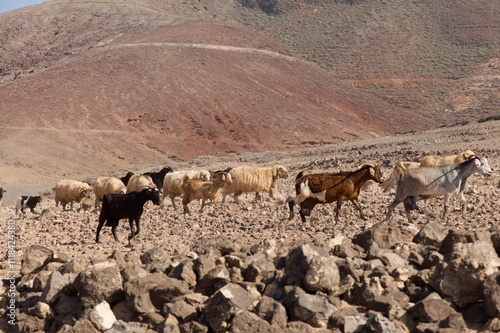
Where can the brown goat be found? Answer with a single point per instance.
(320, 188)
(203, 189)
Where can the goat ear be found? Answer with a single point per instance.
(477, 162)
(372, 171)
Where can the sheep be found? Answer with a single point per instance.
(320, 188)
(125, 206)
(158, 177)
(425, 183)
(69, 191)
(107, 185)
(27, 202)
(433, 160)
(253, 179)
(2, 191)
(172, 184)
(138, 183)
(203, 189)
(126, 178)
(397, 172)
(213, 174)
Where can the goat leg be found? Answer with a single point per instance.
(358, 206)
(113, 231)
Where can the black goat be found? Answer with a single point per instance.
(126, 178)
(27, 202)
(125, 206)
(158, 177)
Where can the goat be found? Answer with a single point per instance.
(313, 189)
(125, 206)
(69, 191)
(172, 185)
(107, 185)
(126, 178)
(2, 191)
(425, 183)
(27, 202)
(398, 172)
(138, 183)
(434, 160)
(253, 179)
(203, 189)
(158, 177)
(214, 174)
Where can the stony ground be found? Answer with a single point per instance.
(73, 231)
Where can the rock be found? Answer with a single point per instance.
(431, 234)
(121, 326)
(259, 270)
(102, 316)
(182, 310)
(83, 325)
(463, 275)
(42, 311)
(354, 324)
(204, 264)
(386, 234)
(34, 258)
(192, 327)
(432, 309)
(322, 275)
(312, 309)
(100, 282)
(272, 311)
(453, 237)
(491, 291)
(249, 322)
(215, 275)
(185, 271)
(380, 324)
(58, 285)
(27, 323)
(226, 303)
(124, 311)
(156, 260)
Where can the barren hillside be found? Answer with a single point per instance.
(166, 91)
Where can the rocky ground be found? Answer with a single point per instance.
(252, 224)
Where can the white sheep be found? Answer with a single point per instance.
(139, 183)
(253, 179)
(172, 183)
(69, 191)
(107, 185)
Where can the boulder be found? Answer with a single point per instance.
(272, 311)
(225, 304)
(34, 258)
(100, 282)
(102, 316)
(431, 234)
(57, 286)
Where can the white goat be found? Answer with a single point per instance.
(69, 191)
(425, 183)
(172, 184)
(107, 185)
(253, 179)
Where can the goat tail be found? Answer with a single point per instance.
(299, 175)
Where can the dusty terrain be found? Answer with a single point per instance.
(73, 231)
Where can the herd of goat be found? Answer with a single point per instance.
(124, 198)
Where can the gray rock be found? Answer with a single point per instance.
(182, 310)
(463, 275)
(67, 305)
(312, 309)
(431, 234)
(434, 310)
(226, 303)
(193, 327)
(58, 285)
(102, 316)
(100, 282)
(249, 322)
(259, 270)
(322, 275)
(272, 311)
(380, 324)
(453, 237)
(491, 290)
(121, 326)
(214, 275)
(204, 264)
(185, 271)
(386, 234)
(34, 258)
